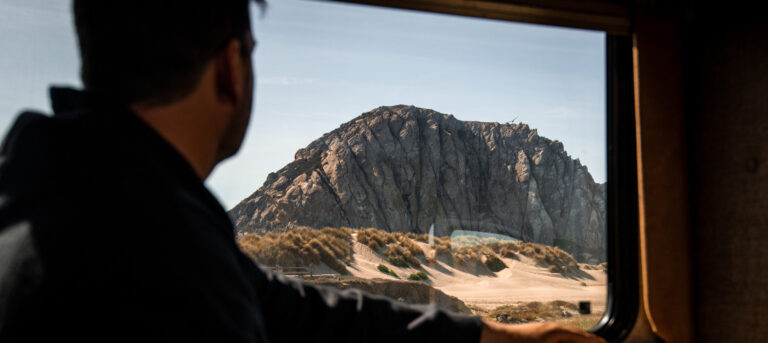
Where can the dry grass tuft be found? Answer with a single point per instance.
(424, 238)
(443, 246)
(301, 247)
(412, 248)
(467, 256)
(399, 249)
(506, 249)
(555, 259)
(374, 239)
(493, 262)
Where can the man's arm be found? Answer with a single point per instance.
(296, 312)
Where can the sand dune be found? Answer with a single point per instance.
(521, 281)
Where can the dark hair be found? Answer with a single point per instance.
(153, 51)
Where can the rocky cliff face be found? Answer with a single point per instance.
(403, 168)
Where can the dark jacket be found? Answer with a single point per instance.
(106, 233)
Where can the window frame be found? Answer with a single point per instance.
(623, 302)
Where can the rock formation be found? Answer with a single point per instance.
(403, 168)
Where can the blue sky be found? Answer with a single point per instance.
(320, 64)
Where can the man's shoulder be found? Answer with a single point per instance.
(23, 121)
(41, 153)
(60, 175)
(78, 153)
(79, 180)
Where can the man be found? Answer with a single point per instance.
(107, 232)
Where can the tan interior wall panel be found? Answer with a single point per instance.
(730, 114)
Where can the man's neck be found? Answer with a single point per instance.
(189, 127)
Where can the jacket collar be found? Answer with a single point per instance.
(67, 101)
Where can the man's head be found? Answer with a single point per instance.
(149, 53)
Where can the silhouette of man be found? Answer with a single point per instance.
(107, 232)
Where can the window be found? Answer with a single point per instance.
(430, 158)
(39, 48)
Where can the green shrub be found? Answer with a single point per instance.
(382, 268)
(418, 276)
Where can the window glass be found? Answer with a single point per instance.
(39, 48)
(429, 158)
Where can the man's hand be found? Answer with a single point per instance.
(534, 333)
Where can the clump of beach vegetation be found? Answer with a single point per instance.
(304, 247)
(467, 256)
(382, 268)
(527, 312)
(397, 247)
(558, 311)
(301, 247)
(556, 260)
(418, 276)
(424, 238)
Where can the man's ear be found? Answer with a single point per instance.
(230, 79)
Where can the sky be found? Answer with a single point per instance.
(320, 64)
